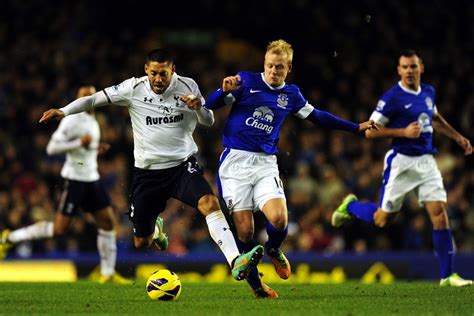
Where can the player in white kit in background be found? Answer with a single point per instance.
(248, 172)
(407, 113)
(164, 109)
(78, 136)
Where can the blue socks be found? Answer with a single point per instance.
(363, 211)
(253, 278)
(443, 245)
(275, 238)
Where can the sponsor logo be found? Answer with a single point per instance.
(164, 120)
(425, 123)
(146, 99)
(260, 117)
(282, 100)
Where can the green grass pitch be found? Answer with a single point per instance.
(350, 298)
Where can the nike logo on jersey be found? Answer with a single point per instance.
(255, 91)
(407, 106)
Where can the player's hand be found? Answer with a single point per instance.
(465, 144)
(86, 140)
(369, 125)
(231, 83)
(413, 130)
(51, 114)
(103, 148)
(193, 102)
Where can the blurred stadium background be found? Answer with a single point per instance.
(345, 58)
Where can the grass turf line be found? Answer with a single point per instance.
(350, 298)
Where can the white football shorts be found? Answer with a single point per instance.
(247, 180)
(403, 174)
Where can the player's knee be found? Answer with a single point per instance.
(59, 231)
(141, 243)
(440, 220)
(106, 224)
(208, 204)
(245, 235)
(383, 219)
(279, 222)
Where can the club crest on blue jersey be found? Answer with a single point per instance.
(282, 100)
(260, 117)
(380, 105)
(429, 103)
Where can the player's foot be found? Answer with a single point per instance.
(455, 280)
(281, 264)
(162, 240)
(5, 245)
(340, 215)
(114, 278)
(246, 261)
(264, 291)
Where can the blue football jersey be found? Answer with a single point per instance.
(258, 112)
(399, 107)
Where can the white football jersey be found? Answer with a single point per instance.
(162, 124)
(81, 163)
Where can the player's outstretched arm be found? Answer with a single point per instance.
(51, 114)
(413, 130)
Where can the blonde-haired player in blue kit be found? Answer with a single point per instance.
(164, 109)
(407, 113)
(248, 172)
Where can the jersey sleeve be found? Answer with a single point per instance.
(383, 111)
(195, 91)
(121, 93)
(301, 107)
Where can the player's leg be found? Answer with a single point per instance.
(149, 193)
(244, 225)
(194, 190)
(276, 212)
(107, 246)
(443, 244)
(68, 207)
(269, 197)
(396, 183)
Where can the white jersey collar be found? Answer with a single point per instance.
(273, 88)
(417, 92)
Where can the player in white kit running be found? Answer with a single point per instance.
(164, 109)
(78, 136)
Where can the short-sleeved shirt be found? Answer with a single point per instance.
(399, 107)
(258, 112)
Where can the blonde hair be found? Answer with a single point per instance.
(279, 47)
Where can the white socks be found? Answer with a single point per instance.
(38, 230)
(222, 235)
(107, 246)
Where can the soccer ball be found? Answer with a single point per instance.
(163, 285)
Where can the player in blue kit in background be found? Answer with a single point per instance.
(248, 172)
(407, 113)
